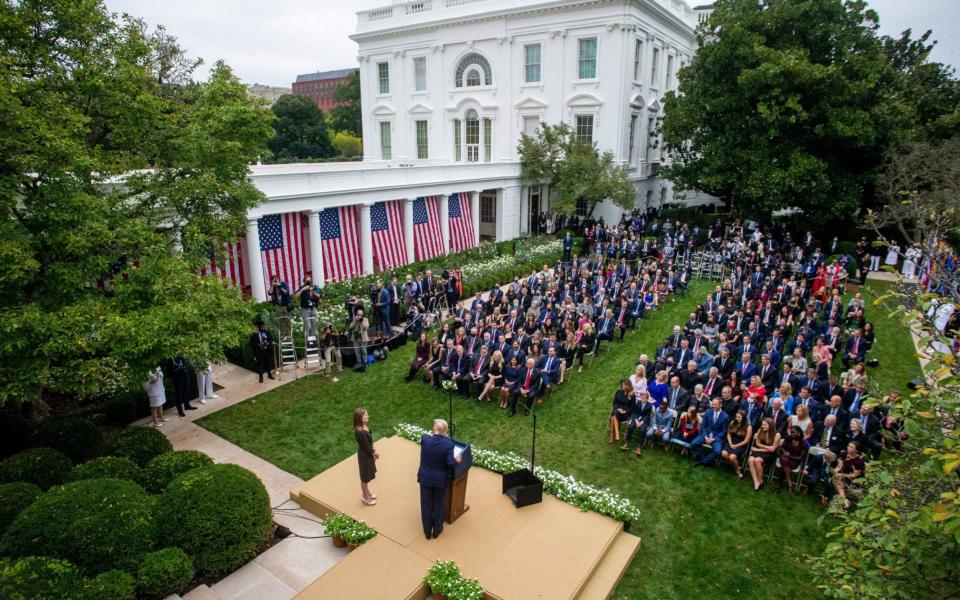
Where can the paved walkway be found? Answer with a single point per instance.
(295, 562)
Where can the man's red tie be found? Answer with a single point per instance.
(526, 384)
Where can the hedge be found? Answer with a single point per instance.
(76, 437)
(15, 434)
(218, 515)
(164, 572)
(45, 467)
(110, 585)
(38, 578)
(98, 524)
(114, 467)
(140, 444)
(14, 497)
(163, 469)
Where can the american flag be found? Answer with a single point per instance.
(340, 232)
(283, 248)
(231, 268)
(386, 232)
(427, 235)
(461, 222)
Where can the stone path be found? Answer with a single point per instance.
(295, 562)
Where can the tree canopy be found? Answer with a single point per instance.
(793, 104)
(301, 130)
(347, 115)
(574, 168)
(119, 177)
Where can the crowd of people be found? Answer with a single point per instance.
(747, 379)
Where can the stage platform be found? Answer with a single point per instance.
(550, 550)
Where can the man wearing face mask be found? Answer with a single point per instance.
(309, 296)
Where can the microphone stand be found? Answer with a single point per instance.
(450, 416)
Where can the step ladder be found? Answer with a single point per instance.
(286, 348)
(311, 354)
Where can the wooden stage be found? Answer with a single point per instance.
(550, 550)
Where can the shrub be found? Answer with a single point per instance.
(76, 437)
(38, 578)
(43, 466)
(218, 515)
(14, 497)
(140, 444)
(164, 572)
(99, 524)
(110, 585)
(113, 467)
(126, 408)
(168, 466)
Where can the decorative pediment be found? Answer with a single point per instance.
(530, 103)
(636, 101)
(420, 109)
(654, 105)
(383, 110)
(584, 101)
(472, 102)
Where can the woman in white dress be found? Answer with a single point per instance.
(153, 386)
(910, 262)
(639, 381)
(893, 255)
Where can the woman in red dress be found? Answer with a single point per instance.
(819, 289)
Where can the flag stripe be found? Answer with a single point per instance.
(427, 234)
(386, 225)
(340, 232)
(461, 222)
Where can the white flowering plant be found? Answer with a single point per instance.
(349, 529)
(448, 384)
(444, 577)
(564, 487)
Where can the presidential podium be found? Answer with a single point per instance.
(457, 486)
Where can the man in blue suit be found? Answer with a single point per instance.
(436, 459)
(745, 367)
(712, 432)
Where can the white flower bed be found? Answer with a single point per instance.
(565, 487)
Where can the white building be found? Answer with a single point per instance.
(448, 86)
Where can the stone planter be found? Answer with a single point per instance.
(352, 547)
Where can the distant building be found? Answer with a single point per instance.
(703, 11)
(267, 92)
(320, 86)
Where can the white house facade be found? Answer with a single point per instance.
(449, 86)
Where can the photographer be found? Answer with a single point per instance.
(381, 302)
(261, 342)
(352, 305)
(358, 328)
(309, 298)
(330, 341)
(280, 297)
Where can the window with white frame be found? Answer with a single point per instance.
(633, 134)
(582, 209)
(653, 66)
(584, 128)
(487, 143)
(420, 73)
(472, 135)
(531, 63)
(530, 125)
(457, 140)
(669, 83)
(587, 58)
(383, 77)
(422, 139)
(386, 148)
(473, 70)
(637, 59)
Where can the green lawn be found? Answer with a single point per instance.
(704, 532)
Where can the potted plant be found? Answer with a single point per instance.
(356, 533)
(335, 526)
(446, 583)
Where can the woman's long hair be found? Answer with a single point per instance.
(358, 417)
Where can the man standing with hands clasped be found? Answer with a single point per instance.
(436, 459)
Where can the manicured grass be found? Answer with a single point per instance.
(894, 347)
(705, 533)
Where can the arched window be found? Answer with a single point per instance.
(473, 70)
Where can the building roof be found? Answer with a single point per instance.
(320, 76)
(703, 7)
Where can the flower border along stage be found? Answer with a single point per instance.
(572, 491)
(444, 577)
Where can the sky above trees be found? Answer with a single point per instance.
(271, 42)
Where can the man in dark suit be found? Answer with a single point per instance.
(788, 376)
(870, 427)
(713, 386)
(713, 430)
(261, 342)
(459, 371)
(856, 349)
(835, 408)
(831, 439)
(724, 363)
(776, 412)
(854, 398)
(767, 373)
(745, 367)
(442, 367)
(753, 412)
(436, 459)
(690, 377)
(479, 368)
(677, 397)
(550, 368)
(528, 387)
(806, 398)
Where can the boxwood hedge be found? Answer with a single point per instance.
(43, 466)
(140, 444)
(163, 469)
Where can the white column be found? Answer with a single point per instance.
(523, 211)
(475, 213)
(258, 289)
(445, 222)
(509, 213)
(366, 241)
(408, 228)
(316, 247)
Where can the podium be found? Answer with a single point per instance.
(457, 485)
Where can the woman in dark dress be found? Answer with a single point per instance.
(738, 438)
(792, 453)
(765, 445)
(420, 357)
(435, 349)
(367, 455)
(494, 375)
(622, 405)
(511, 375)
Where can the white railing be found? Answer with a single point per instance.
(380, 14)
(451, 3)
(417, 7)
